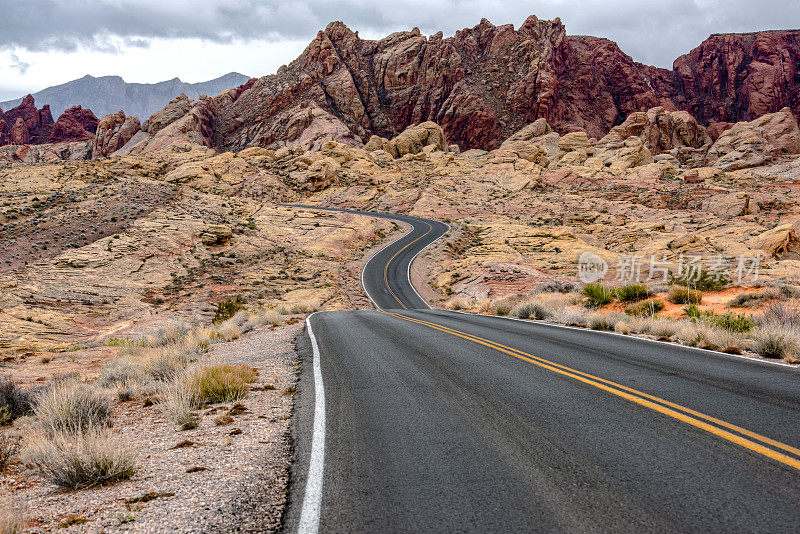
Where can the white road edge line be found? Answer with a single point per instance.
(707, 352)
(312, 501)
(408, 269)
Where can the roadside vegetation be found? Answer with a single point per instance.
(768, 326)
(73, 442)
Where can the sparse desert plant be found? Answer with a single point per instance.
(684, 295)
(753, 299)
(645, 308)
(571, 317)
(228, 331)
(71, 407)
(556, 286)
(10, 523)
(457, 303)
(603, 321)
(776, 341)
(73, 462)
(702, 280)
(622, 328)
(9, 447)
(502, 309)
(597, 295)
(228, 308)
(734, 322)
(632, 292)
(171, 332)
(531, 309)
(783, 313)
(484, 306)
(727, 341)
(179, 404)
(221, 383)
(14, 402)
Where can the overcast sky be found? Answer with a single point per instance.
(46, 42)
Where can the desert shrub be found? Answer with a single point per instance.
(571, 317)
(221, 383)
(702, 280)
(782, 313)
(776, 341)
(556, 286)
(82, 461)
(179, 403)
(684, 295)
(9, 447)
(10, 523)
(622, 328)
(227, 309)
(531, 309)
(484, 306)
(14, 402)
(502, 309)
(754, 299)
(727, 341)
(602, 321)
(733, 322)
(632, 292)
(645, 308)
(71, 407)
(167, 334)
(597, 294)
(655, 326)
(457, 303)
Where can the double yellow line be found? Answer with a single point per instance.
(386, 267)
(743, 437)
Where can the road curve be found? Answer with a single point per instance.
(442, 421)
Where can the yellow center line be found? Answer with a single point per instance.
(635, 396)
(386, 267)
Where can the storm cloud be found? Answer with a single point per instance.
(654, 31)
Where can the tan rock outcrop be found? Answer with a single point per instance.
(778, 242)
(415, 138)
(749, 144)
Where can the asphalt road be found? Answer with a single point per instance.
(436, 421)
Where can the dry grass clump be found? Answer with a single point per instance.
(71, 407)
(180, 403)
(9, 447)
(776, 341)
(531, 309)
(604, 321)
(622, 328)
(684, 295)
(458, 303)
(14, 402)
(296, 309)
(783, 313)
(10, 523)
(87, 460)
(221, 383)
(645, 308)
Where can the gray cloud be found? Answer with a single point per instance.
(652, 31)
(20, 66)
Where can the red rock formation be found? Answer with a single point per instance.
(486, 82)
(740, 77)
(75, 124)
(113, 131)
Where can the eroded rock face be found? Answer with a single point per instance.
(75, 124)
(36, 123)
(749, 144)
(487, 82)
(740, 77)
(113, 131)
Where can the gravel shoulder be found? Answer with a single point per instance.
(215, 478)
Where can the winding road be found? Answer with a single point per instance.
(417, 420)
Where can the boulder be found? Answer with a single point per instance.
(727, 205)
(778, 242)
(536, 129)
(661, 131)
(216, 234)
(415, 138)
(750, 144)
(573, 141)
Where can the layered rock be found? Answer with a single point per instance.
(749, 144)
(485, 83)
(113, 131)
(739, 77)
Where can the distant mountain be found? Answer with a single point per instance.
(109, 94)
